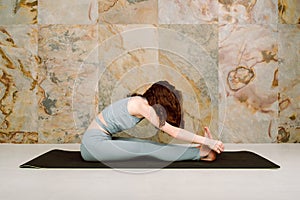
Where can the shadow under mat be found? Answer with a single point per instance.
(227, 160)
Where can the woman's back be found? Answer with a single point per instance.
(117, 117)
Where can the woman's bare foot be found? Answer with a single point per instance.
(206, 154)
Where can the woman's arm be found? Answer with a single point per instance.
(182, 134)
(185, 135)
(141, 108)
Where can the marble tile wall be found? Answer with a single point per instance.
(236, 63)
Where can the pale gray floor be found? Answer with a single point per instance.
(252, 184)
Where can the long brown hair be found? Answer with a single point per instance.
(167, 103)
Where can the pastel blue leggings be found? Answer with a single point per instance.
(98, 146)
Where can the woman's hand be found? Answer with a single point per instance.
(218, 146)
(215, 145)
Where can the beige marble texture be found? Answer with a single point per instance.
(191, 52)
(289, 83)
(129, 63)
(248, 11)
(128, 11)
(289, 11)
(248, 68)
(135, 56)
(68, 12)
(19, 85)
(235, 61)
(188, 12)
(65, 52)
(18, 12)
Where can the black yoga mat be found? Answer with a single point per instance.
(72, 159)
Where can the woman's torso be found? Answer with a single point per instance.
(116, 117)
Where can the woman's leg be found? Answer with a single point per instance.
(166, 152)
(100, 147)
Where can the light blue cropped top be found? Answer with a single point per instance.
(117, 117)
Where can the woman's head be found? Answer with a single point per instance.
(166, 101)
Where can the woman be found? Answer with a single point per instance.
(161, 105)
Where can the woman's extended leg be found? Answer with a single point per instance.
(100, 147)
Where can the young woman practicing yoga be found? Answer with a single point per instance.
(161, 105)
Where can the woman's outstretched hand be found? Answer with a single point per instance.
(215, 145)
